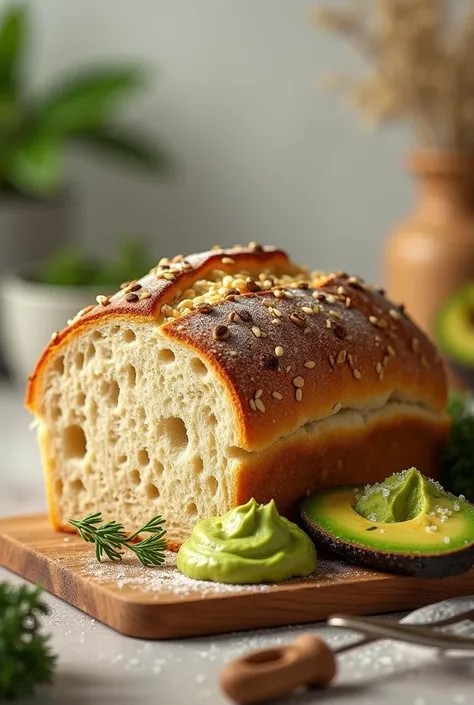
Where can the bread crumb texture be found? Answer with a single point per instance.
(227, 375)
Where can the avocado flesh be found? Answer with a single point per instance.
(455, 326)
(401, 547)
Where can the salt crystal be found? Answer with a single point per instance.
(385, 492)
(446, 539)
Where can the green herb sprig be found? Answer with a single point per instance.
(26, 659)
(458, 457)
(110, 538)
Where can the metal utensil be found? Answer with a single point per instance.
(274, 672)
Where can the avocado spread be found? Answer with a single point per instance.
(406, 524)
(250, 544)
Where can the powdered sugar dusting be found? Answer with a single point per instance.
(130, 574)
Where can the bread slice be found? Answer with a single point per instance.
(229, 375)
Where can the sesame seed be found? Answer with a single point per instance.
(374, 320)
(391, 351)
(348, 302)
(277, 395)
(252, 285)
(288, 368)
(316, 308)
(277, 312)
(227, 260)
(267, 302)
(378, 368)
(145, 295)
(340, 332)
(252, 405)
(415, 345)
(221, 332)
(234, 317)
(380, 375)
(319, 296)
(216, 247)
(102, 300)
(394, 314)
(136, 287)
(233, 353)
(231, 294)
(385, 360)
(55, 335)
(298, 381)
(356, 374)
(297, 319)
(310, 364)
(276, 321)
(279, 352)
(255, 247)
(308, 310)
(202, 308)
(337, 407)
(169, 276)
(335, 314)
(258, 394)
(278, 294)
(132, 298)
(331, 299)
(303, 285)
(328, 323)
(332, 362)
(341, 357)
(186, 266)
(256, 331)
(245, 315)
(299, 394)
(350, 361)
(288, 294)
(341, 291)
(260, 405)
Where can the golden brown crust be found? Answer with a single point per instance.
(374, 362)
(287, 356)
(340, 456)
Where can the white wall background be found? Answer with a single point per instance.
(263, 153)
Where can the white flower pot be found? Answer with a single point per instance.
(31, 229)
(31, 312)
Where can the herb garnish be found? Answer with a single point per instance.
(26, 659)
(111, 537)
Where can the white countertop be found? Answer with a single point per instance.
(98, 666)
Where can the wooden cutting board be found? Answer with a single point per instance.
(160, 603)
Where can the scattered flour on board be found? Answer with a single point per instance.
(130, 574)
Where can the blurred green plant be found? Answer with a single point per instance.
(71, 267)
(35, 132)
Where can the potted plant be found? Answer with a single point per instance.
(39, 298)
(35, 132)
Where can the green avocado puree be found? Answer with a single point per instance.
(402, 497)
(250, 544)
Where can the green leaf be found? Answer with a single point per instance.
(12, 33)
(35, 166)
(86, 101)
(128, 146)
(68, 267)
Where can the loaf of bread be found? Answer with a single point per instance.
(228, 375)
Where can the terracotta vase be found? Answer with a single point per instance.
(430, 254)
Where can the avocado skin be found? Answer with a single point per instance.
(419, 565)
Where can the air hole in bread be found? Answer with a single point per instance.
(58, 365)
(158, 468)
(90, 351)
(152, 491)
(59, 487)
(128, 335)
(122, 459)
(132, 423)
(135, 477)
(56, 412)
(115, 329)
(79, 360)
(198, 367)
(131, 375)
(74, 442)
(77, 486)
(93, 411)
(143, 457)
(80, 399)
(212, 485)
(111, 391)
(112, 437)
(166, 356)
(96, 335)
(198, 465)
(88, 469)
(212, 420)
(191, 509)
(175, 430)
(141, 413)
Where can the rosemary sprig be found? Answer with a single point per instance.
(110, 538)
(26, 659)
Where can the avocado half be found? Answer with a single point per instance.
(397, 547)
(454, 329)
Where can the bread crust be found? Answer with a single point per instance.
(365, 349)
